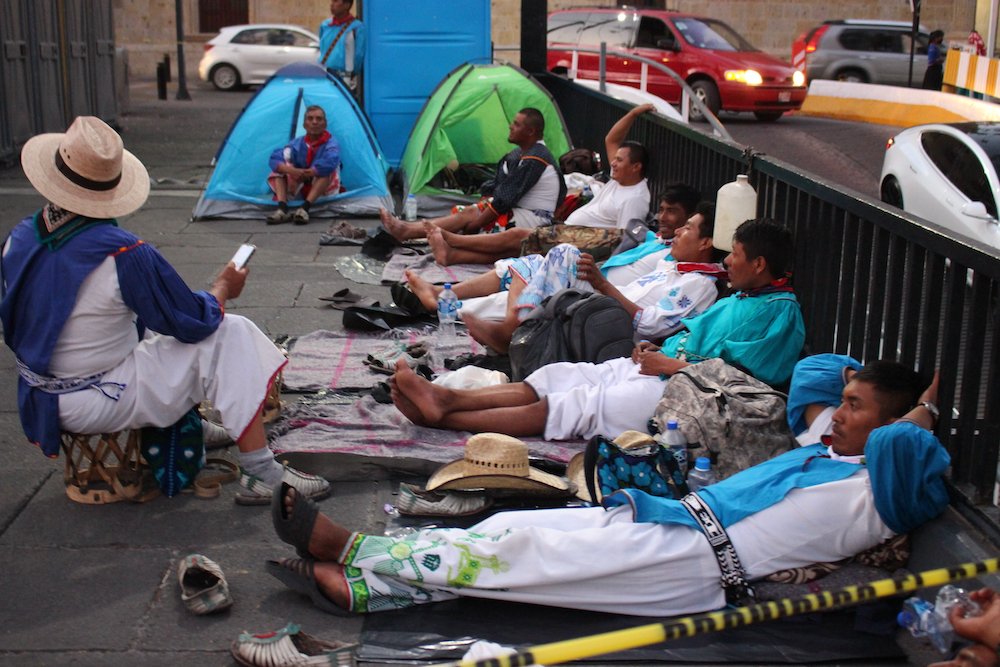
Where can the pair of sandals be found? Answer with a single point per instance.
(296, 528)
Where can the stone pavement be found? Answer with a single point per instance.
(97, 585)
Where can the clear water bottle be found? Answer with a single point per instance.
(922, 620)
(702, 474)
(448, 305)
(674, 440)
(950, 596)
(410, 208)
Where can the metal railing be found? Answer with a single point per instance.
(688, 96)
(873, 282)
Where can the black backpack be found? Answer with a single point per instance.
(570, 325)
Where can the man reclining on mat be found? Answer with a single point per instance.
(881, 475)
(759, 328)
(679, 286)
(526, 191)
(620, 200)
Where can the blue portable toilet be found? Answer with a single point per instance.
(410, 47)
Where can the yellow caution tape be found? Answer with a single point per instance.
(714, 621)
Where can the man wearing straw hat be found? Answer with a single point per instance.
(107, 335)
(880, 476)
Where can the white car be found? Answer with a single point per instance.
(947, 173)
(248, 54)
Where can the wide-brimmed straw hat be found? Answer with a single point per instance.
(575, 471)
(500, 462)
(86, 170)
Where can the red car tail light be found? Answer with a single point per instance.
(813, 40)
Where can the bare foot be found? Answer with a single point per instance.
(400, 230)
(439, 247)
(405, 405)
(429, 399)
(331, 580)
(491, 334)
(425, 291)
(328, 540)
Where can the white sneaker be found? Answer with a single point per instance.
(254, 491)
(214, 436)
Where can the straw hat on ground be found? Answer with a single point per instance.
(500, 462)
(575, 471)
(86, 170)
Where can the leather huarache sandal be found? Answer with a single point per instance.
(204, 589)
(290, 646)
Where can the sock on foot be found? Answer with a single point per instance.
(283, 206)
(261, 464)
(306, 205)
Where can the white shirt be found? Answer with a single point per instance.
(613, 206)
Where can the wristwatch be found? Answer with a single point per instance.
(931, 408)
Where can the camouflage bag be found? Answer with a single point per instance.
(597, 241)
(725, 414)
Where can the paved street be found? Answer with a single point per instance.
(97, 585)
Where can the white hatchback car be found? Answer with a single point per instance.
(947, 173)
(247, 54)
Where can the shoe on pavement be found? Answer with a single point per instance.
(253, 490)
(204, 589)
(279, 217)
(214, 436)
(300, 217)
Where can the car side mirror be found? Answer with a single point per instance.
(667, 44)
(977, 210)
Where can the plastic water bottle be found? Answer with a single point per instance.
(702, 474)
(410, 208)
(950, 596)
(735, 203)
(448, 305)
(922, 620)
(674, 440)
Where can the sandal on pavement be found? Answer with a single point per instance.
(290, 646)
(297, 527)
(253, 490)
(299, 575)
(204, 589)
(414, 501)
(216, 472)
(404, 297)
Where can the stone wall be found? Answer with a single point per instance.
(146, 27)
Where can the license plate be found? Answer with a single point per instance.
(785, 96)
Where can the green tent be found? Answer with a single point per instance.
(465, 121)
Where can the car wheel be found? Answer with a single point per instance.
(709, 95)
(225, 77)
(852, 76)
(768, 116)
(891, 193)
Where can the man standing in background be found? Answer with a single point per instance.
(342, 44)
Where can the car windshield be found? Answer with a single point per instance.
(711, 34)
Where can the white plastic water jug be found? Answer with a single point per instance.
(735, 203)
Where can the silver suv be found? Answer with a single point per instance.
(863, 51)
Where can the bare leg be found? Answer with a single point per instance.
(280, 187)
(405, 231)
(425, 291)
(493, 335)
(328, 539)
(434, 401)
(319, 187)
(445, 255)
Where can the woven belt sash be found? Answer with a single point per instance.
(54, 385)
(734, 583)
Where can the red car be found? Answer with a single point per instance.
(724, 70)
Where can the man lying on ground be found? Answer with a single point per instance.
(525, 192)
(759, 329)
(620, 200)
(881, 476)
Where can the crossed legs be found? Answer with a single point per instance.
(402, 230)
(450, 248)
(514, 409)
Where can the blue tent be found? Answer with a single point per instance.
(238, 186)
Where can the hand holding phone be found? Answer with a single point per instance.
(243, 255)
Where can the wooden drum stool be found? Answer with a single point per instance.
(99, 470)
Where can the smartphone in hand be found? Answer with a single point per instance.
(243, 255)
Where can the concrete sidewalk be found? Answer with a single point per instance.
(97, 585)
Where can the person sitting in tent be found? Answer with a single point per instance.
(677, 287)
(622, 199)
(882, 475)
(307, 167)
(526, 191)
(78, 294)
(759, 329)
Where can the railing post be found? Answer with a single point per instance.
(602, 71)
